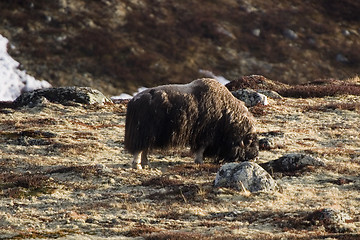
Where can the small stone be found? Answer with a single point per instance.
(290, 34)
(245, 176)
(346, 32)
(265, 144)
(341, 58)
(101, 168)
(143, 221)
(90, 220)
(175, 177)
(162, 191)
(115, 221)
(48, 19)
(256, 32)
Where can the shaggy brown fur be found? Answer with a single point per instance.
(202, 114)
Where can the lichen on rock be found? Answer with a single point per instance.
(292, 162)
(250, 97)
(245, 176)
(62, 95)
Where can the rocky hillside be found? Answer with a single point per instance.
(119, 45)
(64, 174)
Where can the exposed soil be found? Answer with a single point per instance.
(64, 174)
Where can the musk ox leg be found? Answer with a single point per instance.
(140, 160)
(144, 159)
(199, 156)
(136, 163)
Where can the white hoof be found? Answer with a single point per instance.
(137, 166)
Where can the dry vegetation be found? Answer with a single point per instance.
(64, 174)
(63, 170)
(119, 45)
(314, 89)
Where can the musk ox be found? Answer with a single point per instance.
(202, 114)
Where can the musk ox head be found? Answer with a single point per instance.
(235, 142)
(245, 150)
(202, 114)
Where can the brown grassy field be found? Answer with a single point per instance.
(64, 174)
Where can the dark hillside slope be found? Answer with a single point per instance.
(117, 45)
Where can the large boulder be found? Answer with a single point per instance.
(62, 95)
(245, 176)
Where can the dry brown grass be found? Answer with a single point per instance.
(142, 230)
(84, 170)
(16, 185)
(333, 106)
(176, 235)
(316, 91)
(39, 234)
(260, 110)
(186, 192)
(162, 181)
(194, 169)
(93, 189)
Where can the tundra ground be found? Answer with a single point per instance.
(65, 174)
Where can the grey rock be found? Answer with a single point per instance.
(222, 30)
(250, 97)
(341, 58)
(90, 220)
(333, 216)
(245, 176)
(266, 144)
(292, 162)
(143, 221)
(290, 34)
(346, 32)
(62, 95)
(256, 32)
(101, 168)
(332, 219)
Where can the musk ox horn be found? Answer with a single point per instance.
(202, 114)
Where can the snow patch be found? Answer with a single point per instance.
(128, 96)
(14, 81)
